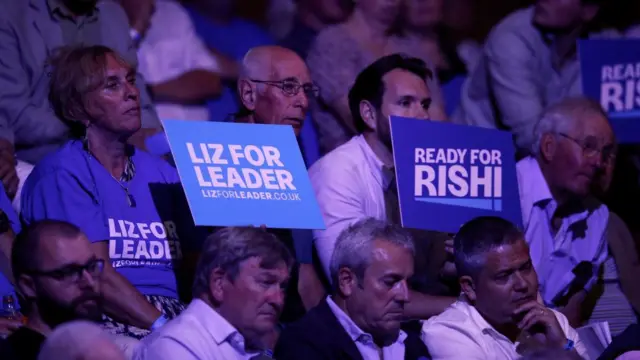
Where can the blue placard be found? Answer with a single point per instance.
(611, 74)
(243, 174)
(448, 174)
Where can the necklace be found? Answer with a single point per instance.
(130, 199)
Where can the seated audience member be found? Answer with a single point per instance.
(128, 202)
(340, 52)
(564, 223)
(275, 87)
(616, 298)
(9, 227)
(357, 180)
(28, 126)
(498, 315)
(180, 71)
(370, 268)
(238, 295)
(229, 37)
(80, 340)
(57, 274)
(529, 63)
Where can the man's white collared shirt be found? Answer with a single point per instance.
(460, 332)
(198, 333)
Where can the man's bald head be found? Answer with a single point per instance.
(275, 86)
(27, 248)
(262, 62)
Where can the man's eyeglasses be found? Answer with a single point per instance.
(73, 273)
(591, 149)
(292, 87)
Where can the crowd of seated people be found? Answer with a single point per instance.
(99, 254)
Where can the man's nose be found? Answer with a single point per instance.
(276, 298)
(402, 293)
(419, 112)
(88, 280)
(302, 100)
(520, 283)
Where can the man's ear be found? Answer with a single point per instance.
(369, 114)
(26, 286)
(548, 146)
(248, 93)
(217, 280)
(347, 281)
(468, 287)
(589, 12)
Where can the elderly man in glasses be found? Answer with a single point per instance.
(564, 224)
(275, 87)
(57, 274)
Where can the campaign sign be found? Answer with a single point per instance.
(611, 74)
(448, 174)
(243, 174)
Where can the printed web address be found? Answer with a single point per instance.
(251, 195)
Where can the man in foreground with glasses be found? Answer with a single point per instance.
(564, 223)
(57, 274)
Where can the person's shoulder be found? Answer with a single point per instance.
(110, 8)
(314, 327)
(169, 10)
(339, 162)
(456, 315)
(70, 157)
(516, 27)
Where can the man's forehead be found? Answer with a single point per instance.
(59, 250)
(288, 66)
(401, 82)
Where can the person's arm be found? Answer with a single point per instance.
(340, 200)
(191, 87)
(122, 301)
(166, 348)
(62, 196)
(6, 244)
(512, 81)
(228, 68)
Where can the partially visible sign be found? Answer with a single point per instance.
(448, 174)
(243, 174)
(611, 74)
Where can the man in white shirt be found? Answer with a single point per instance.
(238, 297)
(181, 72)
(564, 225)
(356, 180)
(370, 267)
(498, 315)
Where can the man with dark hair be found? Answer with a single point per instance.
(529, 63)
(357, 180)
(57, 274)
(498, 315)
(238, 296)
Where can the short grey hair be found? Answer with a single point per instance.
(354, 247)
(562, 117)
(78, 339)
(228, 247)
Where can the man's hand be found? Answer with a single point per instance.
(8, 326)
(8, 174)
(139, 13)
(541, 323)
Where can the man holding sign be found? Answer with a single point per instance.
(356, 180)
